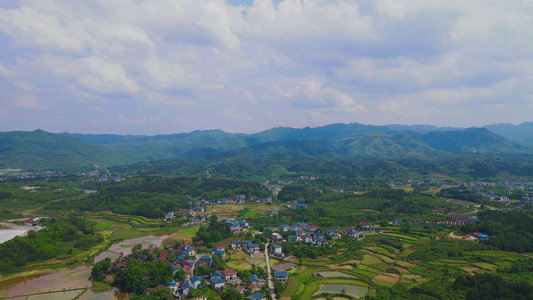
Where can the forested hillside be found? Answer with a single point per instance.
(355, 145)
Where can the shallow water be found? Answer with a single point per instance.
(62, 280)
(8, 234)
(63, 284)
(125, 247)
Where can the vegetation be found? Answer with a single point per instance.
(511, 230)
(153, 197)
(61, 236)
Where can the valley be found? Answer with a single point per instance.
(379, 245)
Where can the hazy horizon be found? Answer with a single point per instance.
(231, 132)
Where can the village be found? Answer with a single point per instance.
(196, 266)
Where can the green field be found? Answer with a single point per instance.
(190, 230)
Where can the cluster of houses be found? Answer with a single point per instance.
(480, 236)
(309, 234)
(179, 258)
(31, 221)
(217, 280)
(453, 219)
(236, 226)
(457, 202)
(247, 246)
(494, 197)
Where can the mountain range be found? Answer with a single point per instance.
(40, 150)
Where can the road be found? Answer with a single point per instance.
(269, 279)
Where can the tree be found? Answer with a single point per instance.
(163, 294)
(278, 287)
(406, 227)
(231, 294)
(136, 248)
(180, 275)
(100, 269)
(131, 279)
(218, 263)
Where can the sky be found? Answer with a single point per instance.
(171, 66)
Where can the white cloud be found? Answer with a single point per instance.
(381, 61)
(106, 77)
(131, 122)
(27, 101)
(167, 74)
(311, 93)
(296, 20)
(4, 72)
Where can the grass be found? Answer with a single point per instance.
(402, 236)
(385, 258)
(369, 269)
(363, 274)
(250, 213)
(190, 230)
(292, 286)
(103, 224)
(101, 284)
(486, 266)
(384, 283)
(405, 264)
(350, 290)
(371, 260)
(507, 255)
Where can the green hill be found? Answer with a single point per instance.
(478, 140)
(40, 150)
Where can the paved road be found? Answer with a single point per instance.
(269, 280)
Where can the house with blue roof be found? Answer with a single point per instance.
(333, 233)
(236, 245)
(307, 239)
(294, 228)
(252, 249)
(293, 238)
(321, 242)
(222, 253)
(205, 259)
(256, 296)
(281, 276)
(185, 288)
(253, 279)
(353, 234)
(276, 251)
(318, 235)
(215, 274)
(195, 282)
(217, 283)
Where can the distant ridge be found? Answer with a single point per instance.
(39, 150)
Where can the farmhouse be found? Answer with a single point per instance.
(281, 276)
(256, 296)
